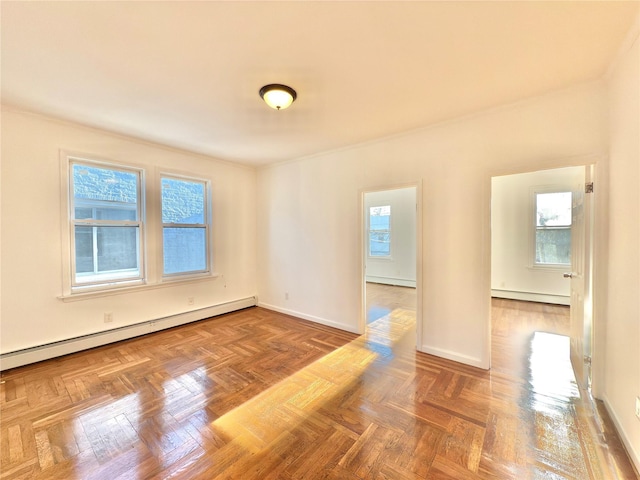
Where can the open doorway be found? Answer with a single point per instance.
(390, 254)
(541, 262)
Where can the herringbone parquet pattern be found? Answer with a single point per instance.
(259, 395)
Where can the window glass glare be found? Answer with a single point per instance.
(553, 209)
(182, 201)
(96, 184)
(380, 231)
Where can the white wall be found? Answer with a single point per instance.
(32, 313)
(400, 267)
(308, 213)
(512, 230)
(622, 308)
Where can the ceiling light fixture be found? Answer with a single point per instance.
(278, 96)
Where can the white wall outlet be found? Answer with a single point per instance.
(286, 295)
(191, 301)
(108, 317)
(638, 407)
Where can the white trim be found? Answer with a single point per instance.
(311, 318)
(455, 356)
(634, 454)
(72, 345)
(89, 293)
(401, 282)
(531, 297)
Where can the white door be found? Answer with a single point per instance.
(581, 279)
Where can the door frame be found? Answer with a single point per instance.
(595, 166)
(363, 249)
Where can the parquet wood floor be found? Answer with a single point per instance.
(259, 395)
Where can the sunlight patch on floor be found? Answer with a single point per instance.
(258, 423)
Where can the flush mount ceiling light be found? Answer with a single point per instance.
(278, 96)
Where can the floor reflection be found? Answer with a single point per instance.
(551, 375)
(550, 401)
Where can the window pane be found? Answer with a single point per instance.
(95, 184)
(84, 213)
(84, 249)
(553, 246)
(184, 250)
(182, 201)
(117, 248)
(117, 255)
(553, 209)
(380, 231)
(115, 212)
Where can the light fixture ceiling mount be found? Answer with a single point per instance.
(278, 96)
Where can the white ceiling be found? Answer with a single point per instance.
(187, 74)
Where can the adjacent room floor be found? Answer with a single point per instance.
(260, 395)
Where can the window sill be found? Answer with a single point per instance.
(550, 268)
(75, 297)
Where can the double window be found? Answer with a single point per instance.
(108, 231)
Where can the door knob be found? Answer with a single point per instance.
(568, 275)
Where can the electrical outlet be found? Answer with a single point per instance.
(286, 295)
(638, 407)
(191, 300)
(108, 317)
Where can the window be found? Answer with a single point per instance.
(112, 232)
(553, 228)
(380, 231)
(106, 224)
(185, 226)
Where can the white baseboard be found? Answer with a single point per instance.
(531, 297)
(311, 318)
(455, 356)
(72, 345)
(634, 454)
(400, 282)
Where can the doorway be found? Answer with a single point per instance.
(390, 254)
(543, 256)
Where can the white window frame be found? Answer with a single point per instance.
(70, 283)
(533, 224)
(172, 277)
(379, 257)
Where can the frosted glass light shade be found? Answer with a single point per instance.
(278, 96)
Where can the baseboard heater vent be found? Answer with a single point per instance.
(47, 351)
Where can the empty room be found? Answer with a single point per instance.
(317, 239)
